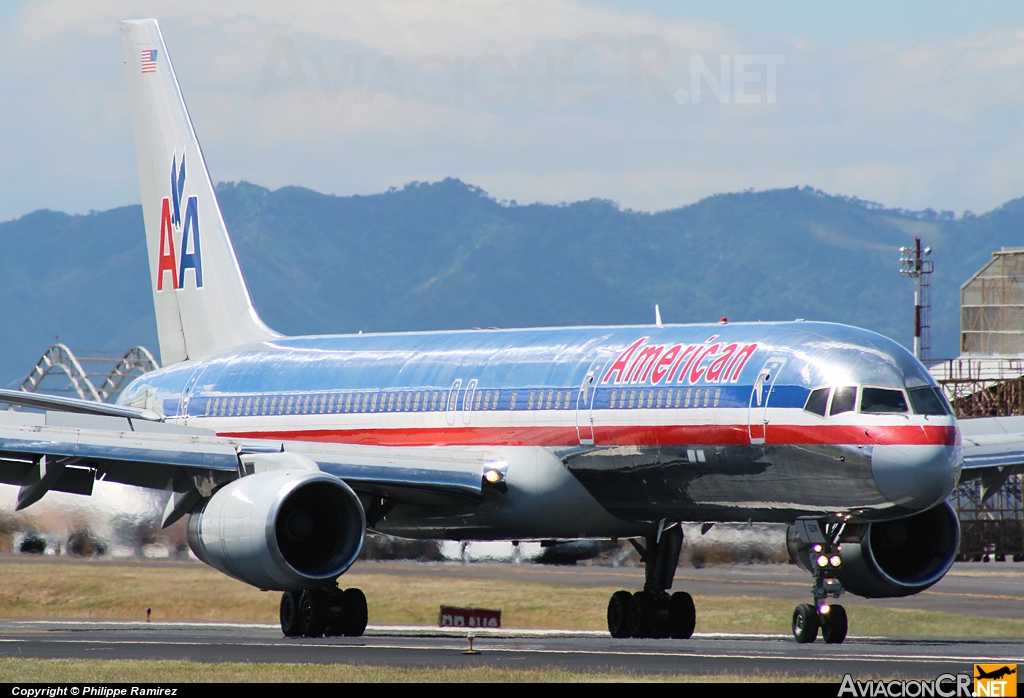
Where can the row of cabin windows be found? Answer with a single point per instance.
(323, 403)
(925, 400)
(548, 400)
(403, 401)
(672, 397)
(436, 400)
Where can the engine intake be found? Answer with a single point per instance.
(893, 558)
(280, 530)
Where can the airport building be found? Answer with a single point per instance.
(987, 380)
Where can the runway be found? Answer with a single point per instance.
(405, 646)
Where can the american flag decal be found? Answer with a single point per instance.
(149, 61)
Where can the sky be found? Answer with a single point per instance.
(654, 105)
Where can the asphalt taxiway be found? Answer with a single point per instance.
(705, 653)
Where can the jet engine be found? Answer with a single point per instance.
(280, 530)
(892, 558)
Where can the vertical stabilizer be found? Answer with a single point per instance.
(202, 303)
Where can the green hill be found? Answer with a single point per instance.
(446, 255)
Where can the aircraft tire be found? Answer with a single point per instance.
(290, 625)
(355, 614)
(313, 612)
(682, 616)
(643, 614)
(618, 612)
(805, 623)
(834, 625)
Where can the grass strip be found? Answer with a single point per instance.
(192, 593)
(164, 671)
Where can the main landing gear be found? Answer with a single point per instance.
(324, 611)
(823, 548)
(653, 612)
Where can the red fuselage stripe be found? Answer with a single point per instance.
(723, 435)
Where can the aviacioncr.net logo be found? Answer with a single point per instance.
(172, 223)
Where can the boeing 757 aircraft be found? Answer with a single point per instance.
(284, 451)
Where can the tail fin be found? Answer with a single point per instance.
(202, 303)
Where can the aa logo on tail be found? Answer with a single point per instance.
(172, 223)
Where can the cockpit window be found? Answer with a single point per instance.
(817, 401)
(844, 400)
(882, 400)
(928, 400)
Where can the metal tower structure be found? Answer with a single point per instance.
(913, 265)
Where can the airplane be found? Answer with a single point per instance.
(284, 451)
(995, 674)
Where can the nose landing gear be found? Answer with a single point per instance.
(824, 551)
(325, 611)
(653, 612)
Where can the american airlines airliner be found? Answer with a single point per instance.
(284, 451)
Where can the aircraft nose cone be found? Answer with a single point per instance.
(916, 477)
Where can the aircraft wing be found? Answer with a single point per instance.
(69, 451)
(993, 450)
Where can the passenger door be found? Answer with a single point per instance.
(759, 398)
(190, 386)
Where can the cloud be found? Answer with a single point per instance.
(547, 101)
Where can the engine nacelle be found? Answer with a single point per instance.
(893, 558)
(280, 530)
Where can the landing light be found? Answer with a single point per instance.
(835, 561)
(817, 548)
(822, 561)
(824, 608)
(493, 476)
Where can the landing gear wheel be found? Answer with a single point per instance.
(335, 614)
(682, 616)
(618, 612)
(834, 625)
(290, 625)
(354, 613)
(642, 616)
(313, 612)
(805, 623)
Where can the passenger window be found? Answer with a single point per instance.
(547, 402)
(373, 403)
(928, 400)
(817, 401)
(408, 401)
(883, 401)
(843, 400)
(718, 394)
(632, 397)
(494, 399)
(650, 398)
(686, 402)
(479, 397)
(678, 396)
(661, 395)
(529, 401)
(640, 400)
(707, 394)
(512, 400)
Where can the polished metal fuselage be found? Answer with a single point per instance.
(603, 431)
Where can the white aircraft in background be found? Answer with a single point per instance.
(284, 451)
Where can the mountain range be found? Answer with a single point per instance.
(446, 255)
